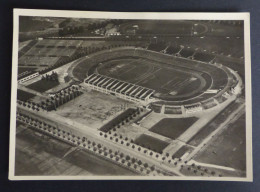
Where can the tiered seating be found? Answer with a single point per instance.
(186, 52)
(157, 47)
(205, 57)
(172, 110)
(156, 108)
(172, 50)
(221, 99)
(107, 84)
(209, 104)
(193, 108)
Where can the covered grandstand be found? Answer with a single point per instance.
(119, 88)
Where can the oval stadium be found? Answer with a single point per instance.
(166, 83)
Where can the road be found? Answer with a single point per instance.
(93, 135)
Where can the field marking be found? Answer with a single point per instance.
(148, 76)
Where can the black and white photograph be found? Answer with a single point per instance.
(146, 96)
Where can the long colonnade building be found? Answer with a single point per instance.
(121, 89)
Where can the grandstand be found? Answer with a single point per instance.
(186, 53)
(156, 47)
(172, 50)
(119, 88)
(205, 57)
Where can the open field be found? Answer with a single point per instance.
(38, 154)
(234, 153)
(151, 143)
(23, 95)
(173, 127)
(184, 149)
(213, 124)
(93, 108)
(43, 85)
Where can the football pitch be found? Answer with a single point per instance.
(150, 74)
(172, 127)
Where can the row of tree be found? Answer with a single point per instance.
(122, 121)
(51, 77)
(61, 98)
(93, 146)
(30, 105)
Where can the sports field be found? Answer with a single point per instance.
(23, 95)
(146, 73)
(43, 85)
(173, 127)
(234, 153)
(151, 143)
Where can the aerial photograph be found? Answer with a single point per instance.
(130, 97)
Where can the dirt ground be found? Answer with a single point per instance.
(94, 108)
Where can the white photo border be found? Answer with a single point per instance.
(133, 15)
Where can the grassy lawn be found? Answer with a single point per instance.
(43, 85)
(184, 149)
(172, 127)
(227, 149)
(23, 95)
(151, 143)
(110, 125)
(23, 69)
